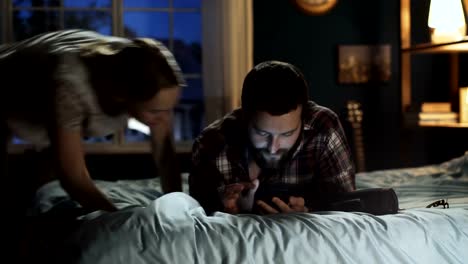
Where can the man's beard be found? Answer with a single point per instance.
(266, 160)
(273, 161)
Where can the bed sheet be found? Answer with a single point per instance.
(175, 229)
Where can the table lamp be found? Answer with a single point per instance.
(446, 21)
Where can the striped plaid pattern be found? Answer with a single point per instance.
(321, 162)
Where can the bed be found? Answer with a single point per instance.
(173, 228)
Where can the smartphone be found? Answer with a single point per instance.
(267, 192)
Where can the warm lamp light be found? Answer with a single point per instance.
(464, 105)
(446, 20)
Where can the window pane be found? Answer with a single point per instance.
(187, 41)
(136, 131)
(92, 20)
(146, 3)
(147, 24)
(36, 3)
(106, 139)
(187, 3)
(191, 109)
(87, 3)
(188, 116)
(188, 120)
(30, 23)
(193, 91)
(18, 141)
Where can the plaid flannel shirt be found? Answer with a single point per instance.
(320, 164)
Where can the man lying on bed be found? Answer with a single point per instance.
(279, 152)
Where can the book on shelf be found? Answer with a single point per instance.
(436, 107)
(438, 116)
(435, 118)
(431, 116)
(436, 122)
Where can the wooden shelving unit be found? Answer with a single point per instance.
(407, 50)
(449, 47)
(448, 125)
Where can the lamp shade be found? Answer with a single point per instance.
(447, 19)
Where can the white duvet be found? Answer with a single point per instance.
(175, 229)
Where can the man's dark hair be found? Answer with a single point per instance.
(274, 87)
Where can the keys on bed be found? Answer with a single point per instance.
(438, 203)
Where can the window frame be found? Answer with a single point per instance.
(118, 145)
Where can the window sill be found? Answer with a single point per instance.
(108, 148)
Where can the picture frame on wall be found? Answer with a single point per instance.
(360, 64)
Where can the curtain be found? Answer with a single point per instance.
(227, 53)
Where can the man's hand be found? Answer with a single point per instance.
(239, 196)
(296, 204)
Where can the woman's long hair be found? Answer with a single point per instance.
(131, 72)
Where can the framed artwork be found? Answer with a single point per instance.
(358, 64)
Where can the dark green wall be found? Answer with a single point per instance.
(282, 32)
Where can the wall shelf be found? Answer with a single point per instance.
(441, 124)
(449, 47)
(407, 50)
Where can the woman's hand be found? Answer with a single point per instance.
(73, 174)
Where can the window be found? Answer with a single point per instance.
(176, 23)
(32, 17)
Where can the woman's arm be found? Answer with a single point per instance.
(73, 174)
(165, 158)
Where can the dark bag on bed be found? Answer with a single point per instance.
(376, 201)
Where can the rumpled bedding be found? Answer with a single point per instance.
(173, 228)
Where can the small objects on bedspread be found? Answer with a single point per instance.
(442, 202)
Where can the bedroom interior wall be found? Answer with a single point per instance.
(310, 42)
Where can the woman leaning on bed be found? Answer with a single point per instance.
(60, 86)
